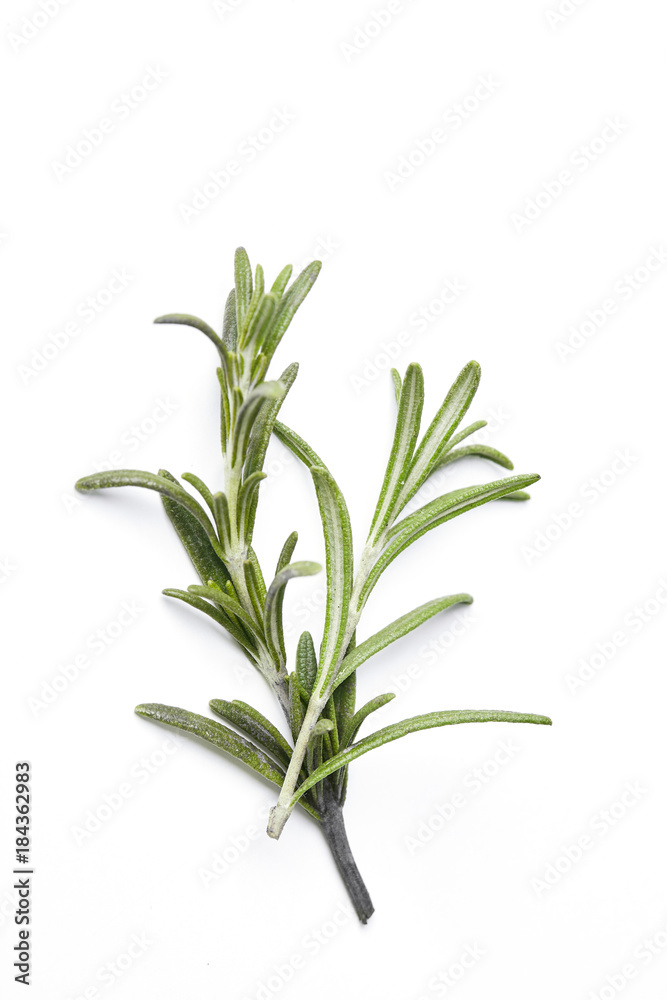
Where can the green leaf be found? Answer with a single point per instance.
(182, 319)
(287, 551)
(397, 384)
(443, 425)
(149, 481)
(222, 522)
(225, 408)
(273, 608)
(345, 696)
(258, 369)
(390, 633)
(466, 432)
(260, 323)
(227, 603)
(339, 561)
(289, 304)
(257, 576)
(229, 328)
(344, 699)
(255, 587)
(306, 663)
(481, 450)
(200, 486)
(243, 281)
(248, 413)
(247, 496)
(258, 727)
(217, 735)
(264, 425)
(280, 284)
(405, 437)
(357, 720)
(194, 538)
(518, 495)
(394, 732)
(255, 302)
(297, 446)
(295, 706)
(331, 740)
(242, 636)
(321, 727)
(437, 512)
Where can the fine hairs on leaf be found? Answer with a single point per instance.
(308, 754)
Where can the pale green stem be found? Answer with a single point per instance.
(281, 811)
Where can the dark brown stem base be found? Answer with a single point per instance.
(333, 828)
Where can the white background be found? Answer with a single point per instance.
(548, 586)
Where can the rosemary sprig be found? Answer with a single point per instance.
(318, 695)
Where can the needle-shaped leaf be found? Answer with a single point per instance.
(248, 413)
(280, 284)
(219, 736)
(254, 588)
(295, 706)
(264, 423)
(259, 728)
(287, 551)
(149, 481)
(258, 369)
(243, 281)
(306, 662)
(273, 609)
(360, 717)
(297, 445)
(182, 319)
(215, 612)
(437, 512)
(321, 726)
(257, 576)
(331, 741)
(480, 450)
(396, 378)
(462, 435)
(201, 488)
(221, 515)
(344, 699)
(289, 304)
(227, 603)
(194, 538)
(431, 720)
(397, 629)
(443, 425)
(517, 495)
(260, 322)
(247, 496)
(255, 302)
(229, 328)
(339, 561)
(405, 437)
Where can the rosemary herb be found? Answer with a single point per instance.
(317, 696)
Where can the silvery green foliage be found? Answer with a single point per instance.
(317, 696)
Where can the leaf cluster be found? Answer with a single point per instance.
(318, 694)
